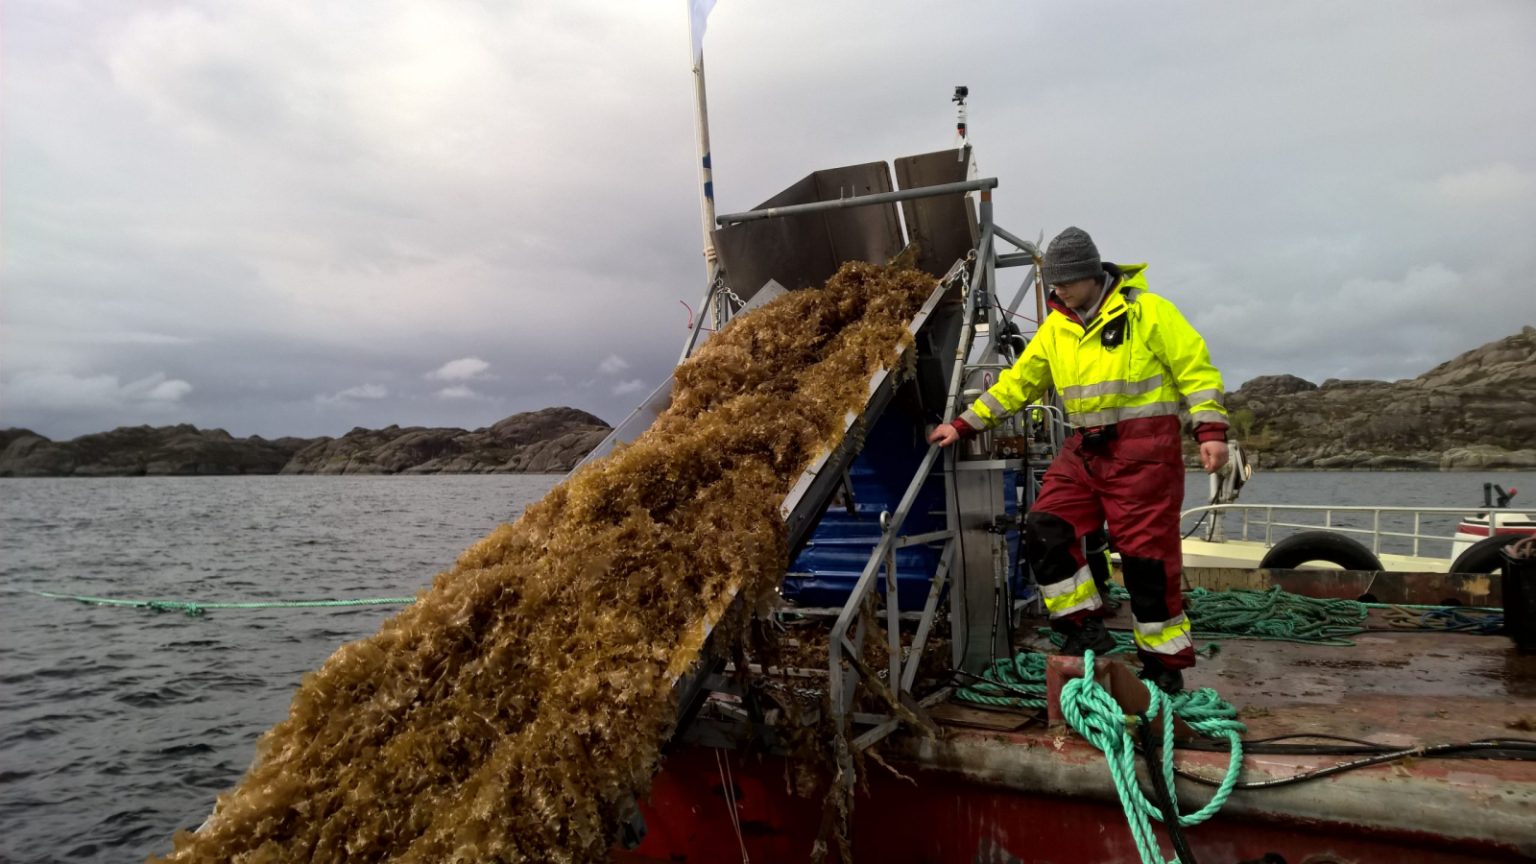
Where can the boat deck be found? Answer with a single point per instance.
(1004, 786)
(1396, 687)
(1400, 688)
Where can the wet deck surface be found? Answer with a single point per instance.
(1389, 688)
(1399, 687)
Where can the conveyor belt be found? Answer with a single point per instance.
(804, 503)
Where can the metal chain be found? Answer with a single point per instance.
(731, 295)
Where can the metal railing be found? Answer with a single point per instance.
(846, 642)
(1330, 520)
(1055, 423)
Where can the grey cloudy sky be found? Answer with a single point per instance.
(293, 218)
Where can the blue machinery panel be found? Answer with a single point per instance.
(828, 566)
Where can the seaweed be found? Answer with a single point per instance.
(512, 712)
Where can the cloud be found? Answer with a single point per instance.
(67, 392)
(1500, 181)
(458, 391)
(633, 385)
(228, 194)
(354, 394)
(167, 391)
(462, 369)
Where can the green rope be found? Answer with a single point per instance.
(1448, 619)
(1275, 615)
(197, 610)
(1125, 643)
(1019, 681)
(1431, 606)
(1238, 613)
(1095, 715)
(1010, 682)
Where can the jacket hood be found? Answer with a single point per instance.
(1128, 277)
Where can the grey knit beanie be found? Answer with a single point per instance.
(1071, 256)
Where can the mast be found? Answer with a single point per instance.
(698, 14)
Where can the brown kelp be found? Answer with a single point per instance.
(511, 713)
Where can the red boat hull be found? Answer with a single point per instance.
(942, 818)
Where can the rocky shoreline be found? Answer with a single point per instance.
(1476, 412)
(549, 441)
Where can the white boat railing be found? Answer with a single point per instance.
(1327, 517)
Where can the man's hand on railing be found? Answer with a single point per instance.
(945, 435)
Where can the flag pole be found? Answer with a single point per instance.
(706, 171)
(709, 307)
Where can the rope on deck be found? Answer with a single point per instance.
(1449, 619)
(1273, 615)
(1010, 682)
(196, 610)
(1095, 715)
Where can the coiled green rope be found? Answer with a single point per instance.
(1010, 682)
(197, 610)
(1275, 615)
(1094, 714)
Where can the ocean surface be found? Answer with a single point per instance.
(120, 725)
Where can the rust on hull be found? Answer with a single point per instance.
(1463, 589)
(1042, 794)
(957, 812)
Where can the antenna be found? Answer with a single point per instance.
(961, 93)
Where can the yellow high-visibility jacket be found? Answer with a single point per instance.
(1135, 359)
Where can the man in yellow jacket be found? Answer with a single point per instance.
(1123, 359)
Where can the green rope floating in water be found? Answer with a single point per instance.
(1095, 715)
(197, 610)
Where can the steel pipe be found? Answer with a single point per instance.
(857, 201)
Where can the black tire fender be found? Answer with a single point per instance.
(1483, 556)
(1298, 549)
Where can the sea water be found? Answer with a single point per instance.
(118, 726)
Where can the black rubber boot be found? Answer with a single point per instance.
(1169, 681)
(1090, 635)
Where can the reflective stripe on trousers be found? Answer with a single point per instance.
(1164, 637)
(1077, 594)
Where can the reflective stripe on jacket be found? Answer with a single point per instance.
(1137, 358)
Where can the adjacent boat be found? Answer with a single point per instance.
(1226, 533)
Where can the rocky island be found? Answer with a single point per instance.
(551, 440)
(1475, 412)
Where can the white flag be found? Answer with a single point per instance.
(699, 16)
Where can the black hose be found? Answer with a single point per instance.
(1152, 753)
(1201, 520)
(1196, 526)
(1497, 748)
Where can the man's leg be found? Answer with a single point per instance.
(1096, 546)
(1066, 510)
(1141, 498)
